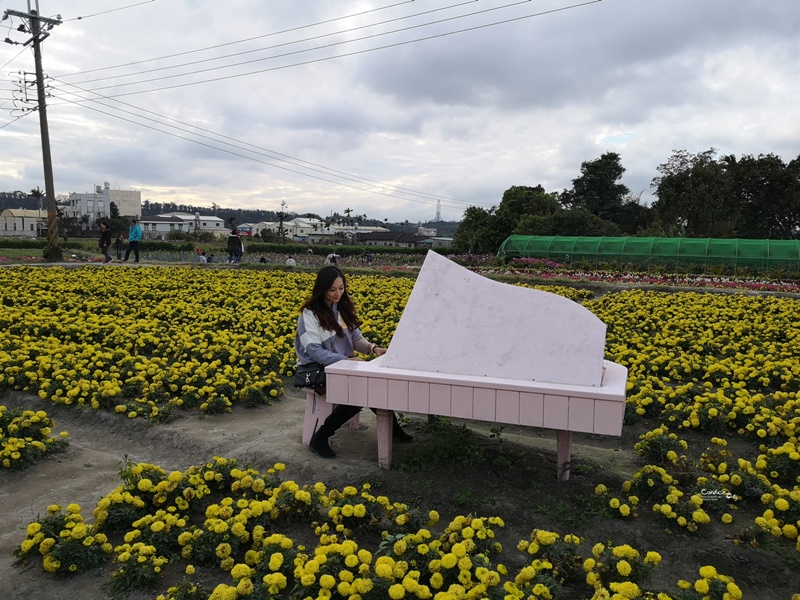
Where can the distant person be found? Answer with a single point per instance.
(291, 262)
(105, 242)
(310, 251)
(134, 236)
(333, 258)
(263, 259)
(234, 247)
(203, 257)
(211, 259)
(118, 244)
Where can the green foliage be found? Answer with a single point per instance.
(453, 445)
(53, 253)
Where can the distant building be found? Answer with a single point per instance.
(21, 222)
(157, 228)
(200, 223)
(310, 230)
(436, 242)
(393, 239)
(427, 231)
(88, 208)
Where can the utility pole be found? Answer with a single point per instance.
(38, 36)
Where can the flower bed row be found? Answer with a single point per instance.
(25, 437)
(221, 531)
(145, 343)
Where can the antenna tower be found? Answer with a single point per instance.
(438, 211)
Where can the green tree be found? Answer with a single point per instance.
(473, 231)
(633, 217)
(577, 221)
(597, 190)
(114, 210)
(769, 196)
(695, 195)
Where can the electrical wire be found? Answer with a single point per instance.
(139, 62)
(267, 152)
(329, 58)
(105, 12)
(321, 47)
(14, 121)
(245, 146)
(257, 160)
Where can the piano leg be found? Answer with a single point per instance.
(564, 454)
(384, 425)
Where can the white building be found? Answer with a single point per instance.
(200, 223)
(97, 205)
(19, 222)
(157, 228)
(310, 230)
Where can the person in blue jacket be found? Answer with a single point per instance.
(327, 332)
(134, 235)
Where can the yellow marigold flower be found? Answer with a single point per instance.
(782, 504)
(734, 592)
(449, 560)
(726, 518)
(701, 586)
(624, 568)
(652, 557)
(223, 550)
(708, 572)
(397, 591)
(597, 550)
(600, 489)
(626, 589)
(241, 571)
(546, 537)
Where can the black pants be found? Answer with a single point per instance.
(340, 415)
(135, 247)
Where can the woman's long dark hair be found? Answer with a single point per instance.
(317, 305)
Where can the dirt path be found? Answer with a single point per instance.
(526, 495)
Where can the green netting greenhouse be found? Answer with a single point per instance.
(698, 251)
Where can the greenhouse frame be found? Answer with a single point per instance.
(654, 250)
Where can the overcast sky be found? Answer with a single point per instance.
(387, 107)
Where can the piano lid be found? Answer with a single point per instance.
(459, 322)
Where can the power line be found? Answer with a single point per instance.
(105, 12)
(427, 199)
(139, 62)
(329, 58)
(308, 39)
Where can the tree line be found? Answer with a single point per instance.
(697, 195)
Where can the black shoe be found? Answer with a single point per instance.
(398, 435)
(319, 446)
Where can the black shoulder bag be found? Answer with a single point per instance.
(311, 375)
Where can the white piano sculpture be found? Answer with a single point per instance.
(468, 347)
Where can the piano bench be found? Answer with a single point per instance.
(317, 410)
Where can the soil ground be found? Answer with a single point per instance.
(514, 478)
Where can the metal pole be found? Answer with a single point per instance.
(52, 212)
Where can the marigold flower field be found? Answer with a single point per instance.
(149, 343)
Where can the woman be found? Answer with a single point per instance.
(105, 242)
(327, 332)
